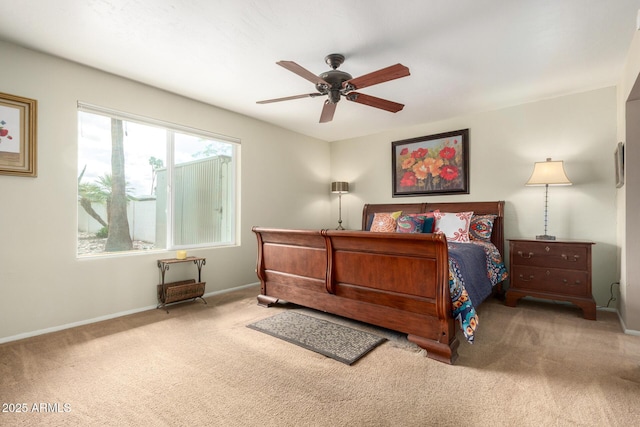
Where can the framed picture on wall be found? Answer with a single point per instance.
(431, 165)
(619, 162)
(17, 135)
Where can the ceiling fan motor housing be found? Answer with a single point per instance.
(334, 78)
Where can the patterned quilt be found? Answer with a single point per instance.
(474, 269)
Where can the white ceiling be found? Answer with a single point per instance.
(465, 56)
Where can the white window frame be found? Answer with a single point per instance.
(171, 129)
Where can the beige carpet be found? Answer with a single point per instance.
(535, 365)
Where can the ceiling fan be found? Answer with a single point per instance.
(336, 84)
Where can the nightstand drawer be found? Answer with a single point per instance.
(555, 281)
(556, 255)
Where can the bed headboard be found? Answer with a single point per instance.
(478, 208)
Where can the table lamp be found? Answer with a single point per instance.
(340, 187)
(548, 173)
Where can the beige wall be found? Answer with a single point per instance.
(43, 285)
(628, 201)
(579, 129)
(630, 308)
(284, 178)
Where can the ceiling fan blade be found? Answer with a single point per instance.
(301, 71)
(287, 98)
(327, 111)
(384, 75)
(373, 101)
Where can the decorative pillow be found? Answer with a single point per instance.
(454, 225)
(429, 224)
(384, 222)
(429, 220)
(481, 227)
(369, 222)
(410, 224)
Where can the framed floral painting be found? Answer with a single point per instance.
(17, 135)
(431, 165)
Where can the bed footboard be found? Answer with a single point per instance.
(396, 281)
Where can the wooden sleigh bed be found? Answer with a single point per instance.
(398, 281)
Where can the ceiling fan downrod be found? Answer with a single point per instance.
(333, 78)
(334, 60)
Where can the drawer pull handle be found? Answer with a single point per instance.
(528, 279)
(529, 255)
(574, 259)
(566, 282)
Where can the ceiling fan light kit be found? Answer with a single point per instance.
(336, 84)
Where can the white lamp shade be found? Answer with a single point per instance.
(339, 187)
(549, 173)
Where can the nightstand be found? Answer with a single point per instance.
(551, 269)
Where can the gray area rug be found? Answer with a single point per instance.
(339, 342)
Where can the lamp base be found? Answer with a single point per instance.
(545, 237)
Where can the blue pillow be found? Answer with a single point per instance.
(427, 227)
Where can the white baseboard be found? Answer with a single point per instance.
(106, 317)
(624, 327)
(622, 324)
(214, 293)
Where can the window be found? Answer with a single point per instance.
(145, 184)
